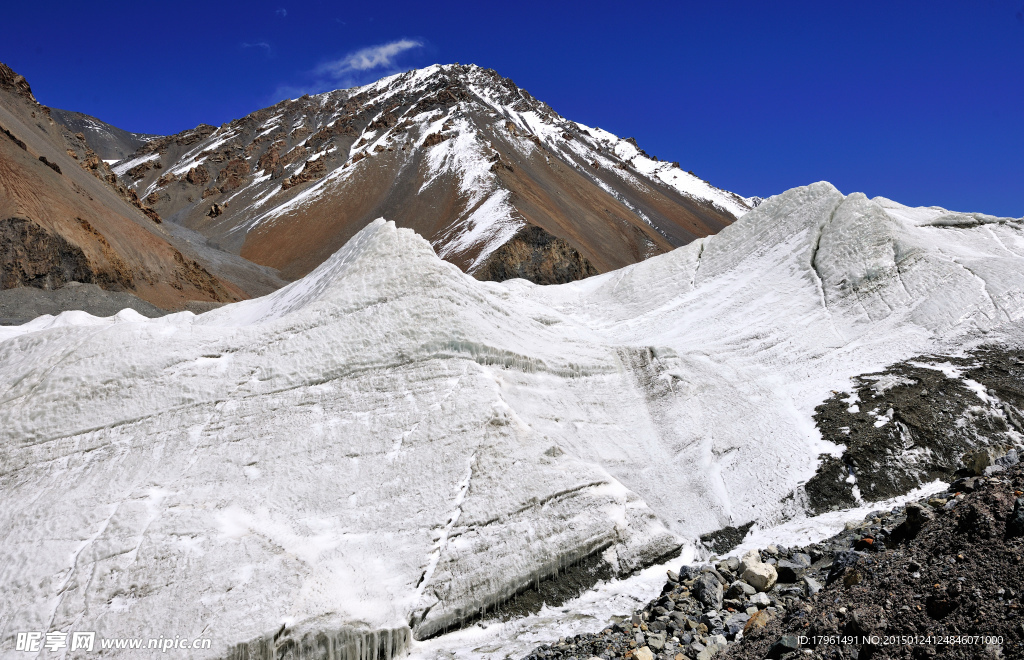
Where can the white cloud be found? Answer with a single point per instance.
(283, 13)
(356, 68)
(381, 56)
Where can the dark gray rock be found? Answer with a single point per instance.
(713, 571)
(740, 589)
(711, 620)
(1015, 525)
(708, 590)
(735, 623)
(790, 571)
(841, 562)
(786, 644)
(813, 586)
(689, 572)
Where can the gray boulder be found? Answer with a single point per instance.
(708, 590)
(813, 586)
(740, 590)
(789, 571)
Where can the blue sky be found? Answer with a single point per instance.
(919, 101)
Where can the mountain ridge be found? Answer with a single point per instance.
(110, 142)
(456, 152)
(64, 217)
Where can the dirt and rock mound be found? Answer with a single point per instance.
(942, 577)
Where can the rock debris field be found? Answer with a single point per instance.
(941, 577)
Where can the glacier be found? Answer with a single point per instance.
(388, 446)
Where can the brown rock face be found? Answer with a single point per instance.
(13, 82)
(268, 162)
(534, 254)
(139, 171)
(435, 138)
(32, 256)
(64, 217)
(233, 175)
(313, 169)
(198, 176)
(387, 120)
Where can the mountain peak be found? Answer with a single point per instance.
(457, 152)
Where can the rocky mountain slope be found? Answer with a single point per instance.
(458, 153)
(109, 142)
(390, 447)
(64, 217)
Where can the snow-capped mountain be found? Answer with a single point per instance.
(497, 181)
(388, 446)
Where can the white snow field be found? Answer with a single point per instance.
(391, 444)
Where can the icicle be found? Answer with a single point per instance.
(342, 644)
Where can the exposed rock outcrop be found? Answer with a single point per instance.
(313, 169)
(198, 176)
(32, 256)
(535, 255)
(912, 423)
(15, 82)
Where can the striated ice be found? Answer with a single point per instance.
(389, 443)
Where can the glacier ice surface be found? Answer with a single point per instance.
(389, 442)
